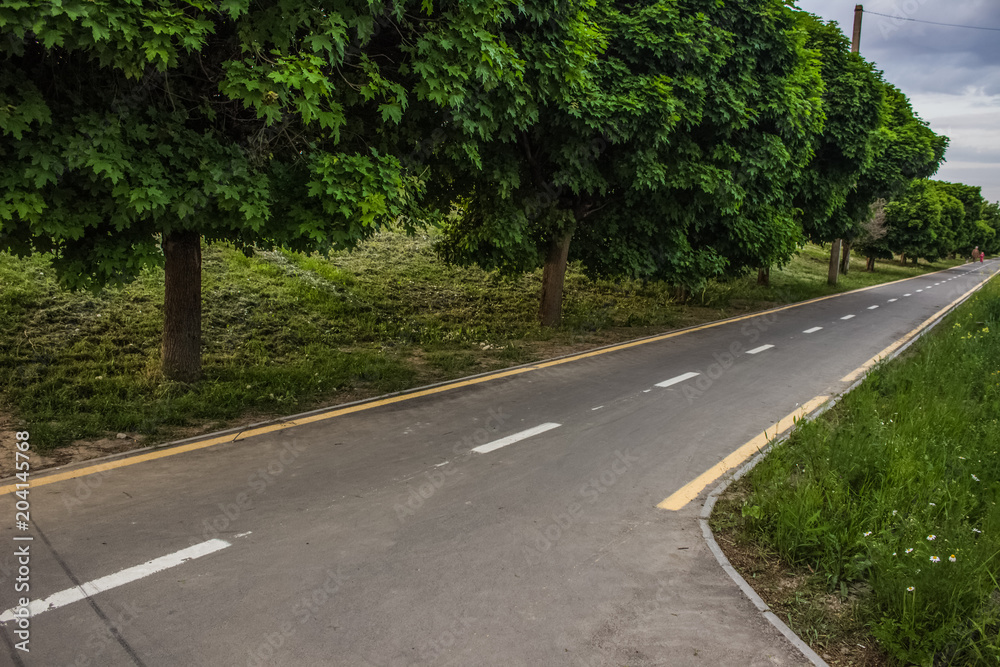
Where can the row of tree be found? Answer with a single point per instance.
(676, 140)
(931, 220)
(731, 135)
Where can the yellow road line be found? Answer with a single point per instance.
(692, 489)
(337, 412)
(868, 365)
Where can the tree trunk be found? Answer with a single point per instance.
(915, 260)
(550, 311)
(871, 265)
(845, 262)
(902, 259)
(764, 277)
(181, 348)
(834, 263)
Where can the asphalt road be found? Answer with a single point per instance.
(383, 537)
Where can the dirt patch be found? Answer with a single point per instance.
(828, 622)
(80, 450)
(86, 450)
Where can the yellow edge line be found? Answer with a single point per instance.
(692, 489)
(337, 412)
(868, 365)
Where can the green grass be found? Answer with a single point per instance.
(805, 278)
(285, 332)
(903, 471)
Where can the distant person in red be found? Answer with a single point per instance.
(982, 257)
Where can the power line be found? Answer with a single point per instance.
(949, 25)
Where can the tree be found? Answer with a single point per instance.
(871, 240)
(929, 222)
(853, 103)
(951, 224)
(914, 221)
(131, 131)
(989, 228)
(668, 158)
(972, 201)
(905, 149)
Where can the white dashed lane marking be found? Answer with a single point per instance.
(813, 330)
(847, 317)
(677, 380)
(120, 578)
(762, 348)
(511, 439)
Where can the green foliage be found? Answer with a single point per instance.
(915, 221)
(666, 154)
(988, 228)
(934, 219)
(262, 124)
(897, 487)
(906, 149)
(966, 232)
(845, 152)
(664, 135)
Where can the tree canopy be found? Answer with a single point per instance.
(930, 222)
(667, 159)
(129, 131)
(854, 105)
(671, 140)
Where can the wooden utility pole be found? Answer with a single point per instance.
(835, 258)
(859, 12)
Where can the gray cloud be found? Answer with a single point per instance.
(952, 75)
(921, 57)
(971, 121)
(973, 155)
(973, 175)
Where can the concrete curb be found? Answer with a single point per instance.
(713, 497)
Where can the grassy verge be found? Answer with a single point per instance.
(879, 521)
(285, 332)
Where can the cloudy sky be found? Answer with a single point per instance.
(952, 75)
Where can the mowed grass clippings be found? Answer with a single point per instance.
(285, 332)
(890, 500)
